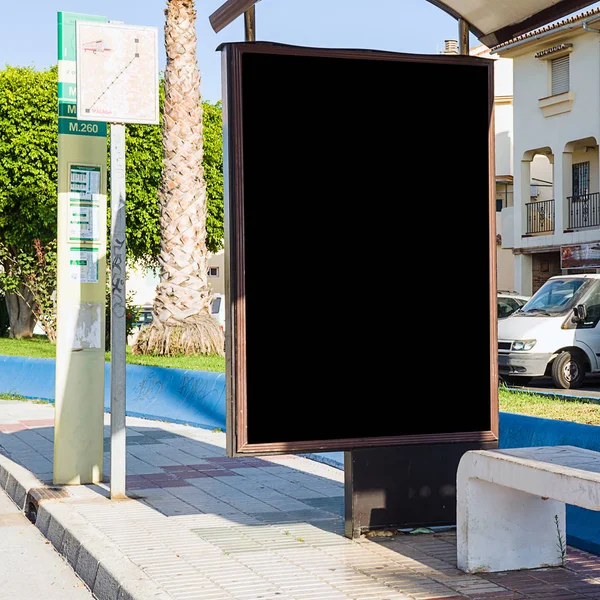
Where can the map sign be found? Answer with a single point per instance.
(83, 265)
(117, 73)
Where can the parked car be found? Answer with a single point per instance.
(555, 334)
(509, 302)
(144, 317)
(217, 309)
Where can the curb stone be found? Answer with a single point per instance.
(108, 573)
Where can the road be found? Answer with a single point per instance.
(30, 568)
(589, 389)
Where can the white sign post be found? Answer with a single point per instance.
(117, 83)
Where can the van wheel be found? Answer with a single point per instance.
(568, 370)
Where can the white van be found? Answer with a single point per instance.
(556, 333)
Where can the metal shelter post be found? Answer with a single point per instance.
(250, 24)
(463, 37)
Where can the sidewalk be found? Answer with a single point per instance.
(29, 565)
(199, 525)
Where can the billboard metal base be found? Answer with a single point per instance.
(403, 486)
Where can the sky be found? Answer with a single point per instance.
(28, 36)
(28, 32)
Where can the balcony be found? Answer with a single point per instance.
(584, 211)
(540, 217)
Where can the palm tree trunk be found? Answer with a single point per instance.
(182, 323)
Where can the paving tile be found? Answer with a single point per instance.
(180, 468)
(207, 466)
(160, 476)
(142, 440)
(158, 433)
(38, 423)
(193, 474)
(12, 427)
(172, 483)
(334, 504)
(142, 485)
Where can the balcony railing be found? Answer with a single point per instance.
(540, 217)
(584, 211)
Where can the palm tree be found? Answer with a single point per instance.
(182, 323)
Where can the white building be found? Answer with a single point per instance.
(556, 77)
(541, 174)
(143, 282)
(503, 100)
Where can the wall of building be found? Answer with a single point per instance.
(542, 171)
(504, 139)
(543, 266)
(531, 82)
(533, 130)
(217, 283)
(503, 91)
(505, 269)
(503, 152)
(143, 282)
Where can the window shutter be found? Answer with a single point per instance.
(560, 75)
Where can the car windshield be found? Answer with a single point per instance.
(556, 296)
(507, 306)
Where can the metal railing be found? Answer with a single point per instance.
(540, 217)
(584, 211)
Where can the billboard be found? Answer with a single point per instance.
(360, 249)
(580, 256)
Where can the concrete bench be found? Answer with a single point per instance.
(511, 505)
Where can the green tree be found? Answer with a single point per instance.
(3, 316)
(213, 173)
(144, 160)
(28, 175)
(37, 275)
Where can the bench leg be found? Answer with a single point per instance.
(502, 529)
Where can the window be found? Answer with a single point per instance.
(213, 271)
(504, 193)
(592, 305)
(557, 296)
(560, 75)
(581, 179)
(507, 306)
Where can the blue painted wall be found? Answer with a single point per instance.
(190, 397)
(28, 377)
(198, 398)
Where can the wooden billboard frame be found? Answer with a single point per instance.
(235, 260)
